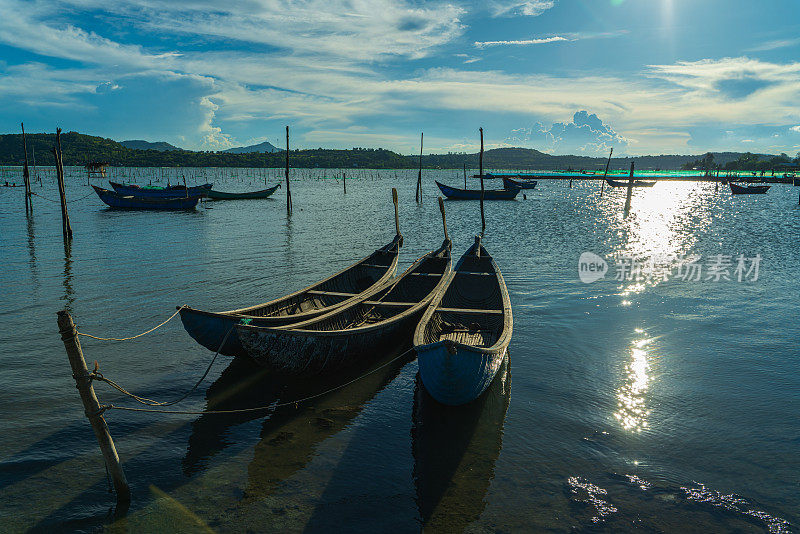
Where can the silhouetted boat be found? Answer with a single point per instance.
(351, 333)
(455, 449)
(211, 328)
(221, 195)
(151, 191)
(215, 330)
(748, 189)
(624, 183)
(454, 193)
(509, 183)
(130, 202)
(463, 336)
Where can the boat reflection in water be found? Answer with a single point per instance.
(290, 434)
(455, 449)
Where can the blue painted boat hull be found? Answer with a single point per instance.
(454, 193)
(160, 192)
(508, 183)
(210, 329)
(454, 374)
(130, 202)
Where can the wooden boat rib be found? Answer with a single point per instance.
(160, 192)
(372, 272)
(353, 332)
(508, 183)
(462, 338)
(624, 183)
(121, 201)
(221, 195)
(748, 190)
(454, 193)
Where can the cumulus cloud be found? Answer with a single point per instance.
(585, 134)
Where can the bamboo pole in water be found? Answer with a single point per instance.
(605, 174)
(288, 190)
(480, 165)
(26, 177)
(419, 175)
(66, 227)
(91, 406)
(630, 192)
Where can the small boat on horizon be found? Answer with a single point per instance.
(748, 189)
(624, 183)
(221, 195)
(454, 193)
(152, 191)
(131, 202)
(508, 183)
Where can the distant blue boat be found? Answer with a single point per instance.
(454, 193)
(508, 183)
(462, 338)
(130, 202)
(160, 192)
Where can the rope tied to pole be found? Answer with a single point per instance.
(137, 335)
(270, 407)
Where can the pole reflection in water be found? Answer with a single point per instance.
(455, 449)
(31, 227)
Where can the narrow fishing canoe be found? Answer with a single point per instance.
(130, 202)
(462, 338)
(748, 189)
(454, 193)
(211, 328)
(221, 195)
(160, 192)
(624, 183)
(356, 331)
(508, 183)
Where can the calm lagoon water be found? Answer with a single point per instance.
(648, 406)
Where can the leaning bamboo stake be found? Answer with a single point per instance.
(605, 174)
(396, 214)
(91, 406)
(66, 227)
(419, 175)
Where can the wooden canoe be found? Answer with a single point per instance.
(454, 193)
(160, 192)
(130, 202)
(463, 336)
(748, 189)
(221, 195)
(211, 328)
(356, 331)
(508, 183)
(624, 183)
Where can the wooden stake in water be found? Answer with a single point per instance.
(605, 174)
(26, 177)
(465, 176)
(630, 192)
(65, 225)
(344, 182)
(444, 219)
(396, 213)
(91, 406)
(288, 190)
(419, 175)
(480, 170)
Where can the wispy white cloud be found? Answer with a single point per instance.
(775, 45)
(552, 39)
(530, 8)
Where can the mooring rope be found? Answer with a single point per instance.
(171, 317)
(58, 201)
(269, 407)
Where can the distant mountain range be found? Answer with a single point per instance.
(138, 144)
(261, 147)
(80, 148)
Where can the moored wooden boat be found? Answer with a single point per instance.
(356, 331)
(121, 201)
(221, 195)
(462, 337)
(455, 193)
(508, 183)
(748, 189)
(624, 183)
(216, 330)
(160, 192)
(351, 333)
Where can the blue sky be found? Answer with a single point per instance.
(561, 76)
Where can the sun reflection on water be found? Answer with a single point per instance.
(632, 409)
